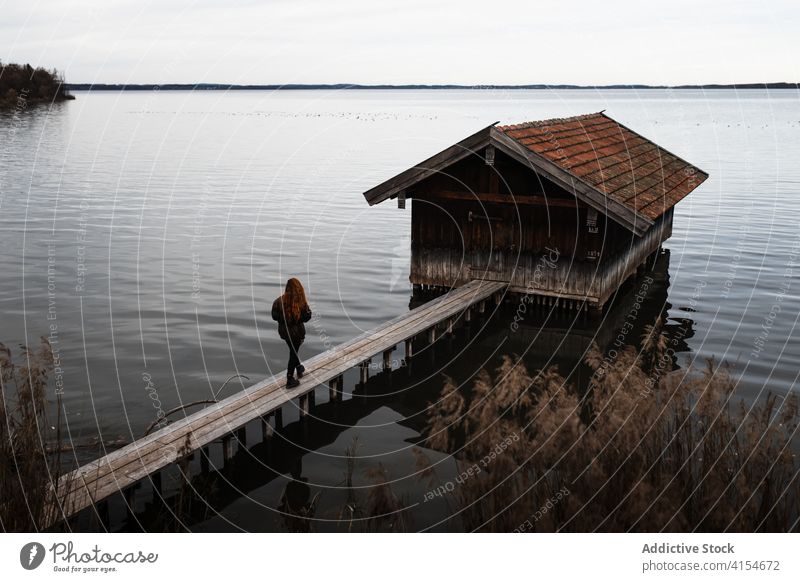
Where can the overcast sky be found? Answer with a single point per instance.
(409, 41)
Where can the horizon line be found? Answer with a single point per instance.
(345, 86)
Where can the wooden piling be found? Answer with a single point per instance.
(266, 428)
(155, 478)
(130, 501)
(304, 406)
(409, 348)
(103, 514)
(387, 359)
(205, 457)
(333, 389)
(183, 464)
(227, 448)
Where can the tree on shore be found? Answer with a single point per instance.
(31, 85)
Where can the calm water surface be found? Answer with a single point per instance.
(148, 233)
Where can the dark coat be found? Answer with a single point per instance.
(288, 328)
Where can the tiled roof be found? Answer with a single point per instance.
(613, 159)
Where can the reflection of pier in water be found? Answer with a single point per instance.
(543, 338)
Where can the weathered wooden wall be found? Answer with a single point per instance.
(543, 242)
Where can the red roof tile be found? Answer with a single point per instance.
(616, 161)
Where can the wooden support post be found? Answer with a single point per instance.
(205, 456)
(481, 306)
(155, 478)
(432, 334)
(183, 464)
(304, 406)
(278, 416)
(387, 359)
(227, 448)
(333, 392)
(409, 348)
(364, 371)
(103, 514)
(401, 199)
(450, 326)
(130, 501)
(498, 297)
(468, 314)
(266, 428)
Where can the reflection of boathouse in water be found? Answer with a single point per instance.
(564, 209)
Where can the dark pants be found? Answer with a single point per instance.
(294, 359)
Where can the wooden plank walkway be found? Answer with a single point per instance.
(122, 468)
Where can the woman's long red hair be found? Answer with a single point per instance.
(294, 299)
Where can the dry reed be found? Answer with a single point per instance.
(30, 447)
(646, 448)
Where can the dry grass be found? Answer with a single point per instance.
(28, 469)
(379, 509)
(645, 449)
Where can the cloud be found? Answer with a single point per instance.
(405, 42)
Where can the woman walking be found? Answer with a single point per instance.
(291, 311)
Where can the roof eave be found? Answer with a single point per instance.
(391, 187)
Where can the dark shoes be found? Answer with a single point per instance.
(292, 382)
(300, 371)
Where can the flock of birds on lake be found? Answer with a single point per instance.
(376, 116)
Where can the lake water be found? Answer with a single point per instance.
(147, 234)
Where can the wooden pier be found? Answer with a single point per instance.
(122, 469)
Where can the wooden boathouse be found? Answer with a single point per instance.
(563, 209)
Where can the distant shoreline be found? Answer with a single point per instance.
(351, 86)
